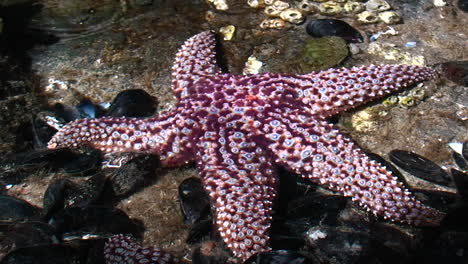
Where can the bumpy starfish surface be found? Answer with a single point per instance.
(238, 127)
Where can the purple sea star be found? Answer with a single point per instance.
(237, 127)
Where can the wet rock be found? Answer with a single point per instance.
(333, 27)
(456, 71)
(419, 166)
(194, 200)
(281, 257)
(74, 18)
(323, 53)
(132, 103)
(14, 209)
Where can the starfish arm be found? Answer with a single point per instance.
(167, 135)
(317, 151)
(336, 90)
(196, 57)
(242, 185)
(123, 249)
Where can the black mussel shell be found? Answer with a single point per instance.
(132, 175)
(66, 113)
(438, 199)
(132, 103)
(463, 5)
(65, 193)
(456, 218)
(42, 132)
(47, 158)
(456, 71)
(350, 244)
(461, 162)
(281, 257)
(54, 196)
(194, 200)
(316, 206)
(44, 254)
(387, 165)
(27, 234)
(94, 220)
(465, 150)
(461, 182)
(200, 230)
(87, 109)
(83, 164)
(333, 27)
(419, 166)
(289, 233)
(14, 209)
(55, 159)
(447, 247)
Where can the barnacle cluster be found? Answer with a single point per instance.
(407, 99)
(281, 14)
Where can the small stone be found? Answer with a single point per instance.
(256, 3)
(252, 66)
(377, 6)
(440, 3)
(389, 17)
(227, 32)
(219, 4)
